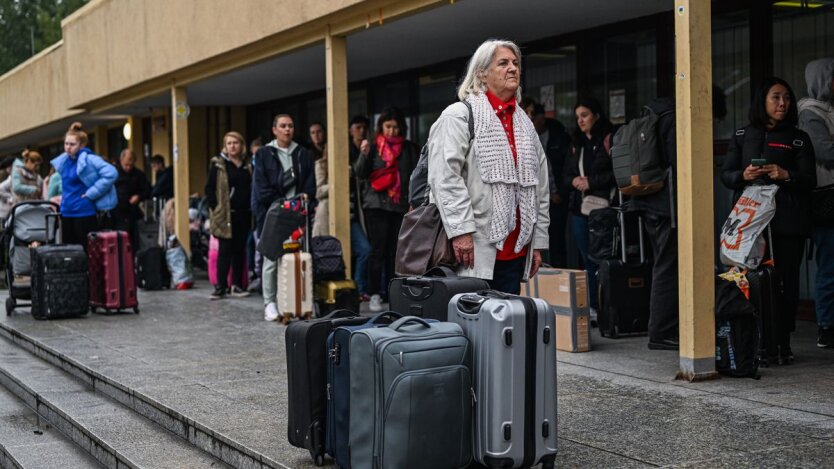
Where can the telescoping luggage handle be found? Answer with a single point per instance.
(621, 219)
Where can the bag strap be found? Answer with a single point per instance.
(440, 271)
(471, 124)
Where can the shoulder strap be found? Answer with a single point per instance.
(471, 120)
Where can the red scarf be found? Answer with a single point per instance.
(388, 178)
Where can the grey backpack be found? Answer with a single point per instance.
(419, 180)
(637, 158)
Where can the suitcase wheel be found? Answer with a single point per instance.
(319, 460)
(136, 310)
(286, 318)
(10, 305)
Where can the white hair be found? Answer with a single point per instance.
(476, 70)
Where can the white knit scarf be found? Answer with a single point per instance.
(513, 185)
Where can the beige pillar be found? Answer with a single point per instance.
(338, 156)
(101, 140)
(693, 49)
(179, 119)
(135, 142)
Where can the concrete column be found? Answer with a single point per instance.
(693, 49)
(135, 142)
(101, 140)
(179, 119)
(338, 153)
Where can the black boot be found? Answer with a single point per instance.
(785, 352)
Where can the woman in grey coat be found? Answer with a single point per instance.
(492, 190)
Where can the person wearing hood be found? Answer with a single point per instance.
(772, 136)
(283, 169)
(88, 187)
(228, 192)
(816, 117)
(591, 148)
(27, 184)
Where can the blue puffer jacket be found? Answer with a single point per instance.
(98, 175)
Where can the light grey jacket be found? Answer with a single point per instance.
(464, 200)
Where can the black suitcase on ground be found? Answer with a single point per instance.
(59, 281)
(152, 269)
(765, 293)
(625, 290)
(306, 343)
(428, 296)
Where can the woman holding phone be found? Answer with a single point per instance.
(772, 150)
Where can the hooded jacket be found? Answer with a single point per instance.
(220, 189)
(816, 116)
(661, 203)
(267, 186)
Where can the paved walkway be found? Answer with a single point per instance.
(221, 365)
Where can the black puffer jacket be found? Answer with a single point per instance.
(788, 147)
(597, 164)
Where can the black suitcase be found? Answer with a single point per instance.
(59, 281)
(428, 296)
(152, 269)
(625, 290)
(306, 343)
(765, 291)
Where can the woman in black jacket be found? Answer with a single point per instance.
(386, 164)
(788, 157)
(592, 146)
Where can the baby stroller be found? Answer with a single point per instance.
(29, 222)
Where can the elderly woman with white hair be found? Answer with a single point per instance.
(491, 189)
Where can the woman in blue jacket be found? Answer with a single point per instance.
(88, 187)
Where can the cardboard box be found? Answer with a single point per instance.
(567, 292)
(559, 287)
(573, 329)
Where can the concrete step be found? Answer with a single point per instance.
(116, 436)
(197, 414)
(28, 441)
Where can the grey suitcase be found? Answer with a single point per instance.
(411, 396)
(513, 341)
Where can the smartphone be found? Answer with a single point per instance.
(758, 162)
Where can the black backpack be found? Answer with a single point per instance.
(637, 156)
(736, 332)
(328, 261)
(419, 180)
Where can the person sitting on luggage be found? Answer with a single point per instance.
(132, 188)
(492, 192)
(27, 184)
(228, 192)
(592, 182)
(283, 169)
(816, 116)
(788, 162)
(88, 187)
(386, 165)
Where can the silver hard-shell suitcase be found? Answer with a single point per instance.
(514, 366)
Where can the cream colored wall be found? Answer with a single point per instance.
(127, 42)
(34, 93)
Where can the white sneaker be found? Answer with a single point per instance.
(375, 304)
(270, 312)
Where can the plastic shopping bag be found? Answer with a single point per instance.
(742, 240)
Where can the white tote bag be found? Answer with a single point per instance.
(742, 240)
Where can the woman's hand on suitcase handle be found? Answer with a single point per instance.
(464, 249)
(537, 262)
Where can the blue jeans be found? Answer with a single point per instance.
(360, 248)
(579, 225)
(824, 296)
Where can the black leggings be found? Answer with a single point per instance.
(232, 252)
(383, 233)
(75, 230)
(788, 252)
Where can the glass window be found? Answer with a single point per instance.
(731, 70)
(550, 79)
(435, 93)
(801, 34)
